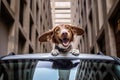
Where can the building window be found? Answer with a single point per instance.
(31, 28)
(37, 14)
(36, 41)
(92, 51)
(30, 50)
(86, 39)
(41, 19)
(91, 27)
(21, 12)
(101, 43)
(21, 43)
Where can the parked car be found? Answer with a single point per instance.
(61, 67)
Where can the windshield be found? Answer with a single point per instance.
(58, 70)
(46, 71)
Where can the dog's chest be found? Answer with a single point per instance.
(63, 50)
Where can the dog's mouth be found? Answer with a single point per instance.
(65, 42)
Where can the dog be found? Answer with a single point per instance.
(62, 37)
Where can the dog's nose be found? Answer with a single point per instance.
(64, 34)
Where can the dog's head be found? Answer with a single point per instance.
(61, 34)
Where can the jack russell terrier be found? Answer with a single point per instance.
(62, 37)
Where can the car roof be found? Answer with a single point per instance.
(47, 56)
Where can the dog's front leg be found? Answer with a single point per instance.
(74, 49)
(54, 51)
(75, 52)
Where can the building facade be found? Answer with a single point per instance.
(61, 12)
(101, 21)
(21, 23)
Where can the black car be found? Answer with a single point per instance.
(61, 67)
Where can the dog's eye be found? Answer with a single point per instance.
(68, 30)
(57, 30)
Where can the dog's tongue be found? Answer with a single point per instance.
(65, 42)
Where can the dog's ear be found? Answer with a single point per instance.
(46, 36)
(77, 30)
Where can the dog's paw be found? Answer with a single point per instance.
(55, 52)
(75, 52)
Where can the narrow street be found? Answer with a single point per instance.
(59, 39)
(23, 21)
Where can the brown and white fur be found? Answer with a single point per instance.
(62, 38)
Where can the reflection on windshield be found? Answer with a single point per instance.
(45, 71)
(17, 70)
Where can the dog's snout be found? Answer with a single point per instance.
(64, 33)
